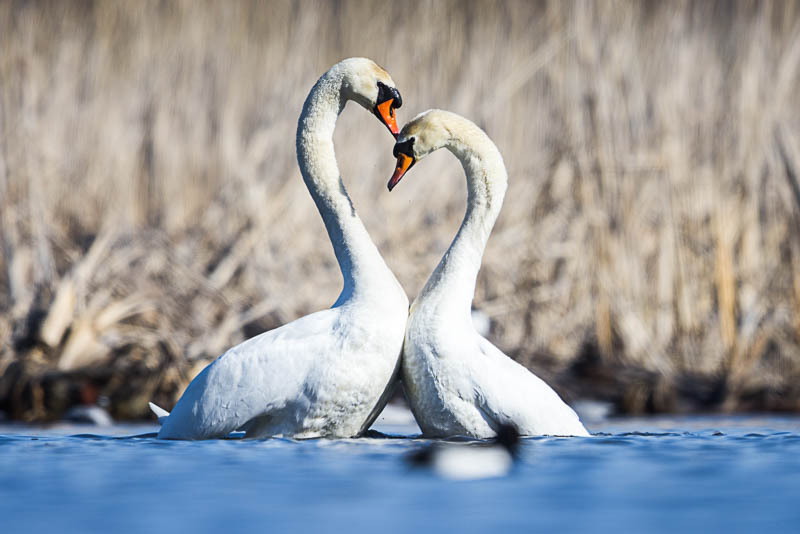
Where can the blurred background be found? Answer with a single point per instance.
(152, 213)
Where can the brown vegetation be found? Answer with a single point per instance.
(152, 213)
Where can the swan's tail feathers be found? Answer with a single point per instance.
(160, 412)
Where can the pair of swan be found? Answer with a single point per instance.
(330, 373)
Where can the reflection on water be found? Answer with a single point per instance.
(656, 475)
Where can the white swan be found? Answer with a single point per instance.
(329, 373)
(456, 381)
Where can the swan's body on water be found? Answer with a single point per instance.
(329, 373)
(457, 382)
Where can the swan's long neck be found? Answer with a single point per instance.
(363, 269)
(451, 287)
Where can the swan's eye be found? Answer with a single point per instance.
(398, 100)
(386, 93)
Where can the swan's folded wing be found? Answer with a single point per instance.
(508, 393)
(263, 374)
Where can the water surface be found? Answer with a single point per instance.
(721, 474)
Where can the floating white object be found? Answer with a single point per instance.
(90, 415)
(471, 461)
(462, 462)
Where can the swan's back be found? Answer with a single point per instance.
(512, 394)
(295, 380)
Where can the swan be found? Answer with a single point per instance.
(456, 381)
(330, 373)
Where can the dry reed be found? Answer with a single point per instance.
(152, 212)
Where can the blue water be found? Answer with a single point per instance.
(720, 474)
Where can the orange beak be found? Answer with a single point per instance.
(404, 162)
(385, 112)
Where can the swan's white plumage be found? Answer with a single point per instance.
(456, 381)
(328, 373)
(160, 413)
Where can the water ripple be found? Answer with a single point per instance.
(676, 475)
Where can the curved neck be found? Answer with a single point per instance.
(452, 283)
(359, 260)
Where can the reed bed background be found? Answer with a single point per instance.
(152, 213)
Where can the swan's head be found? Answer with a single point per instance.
(426, 133)
(371, 86)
